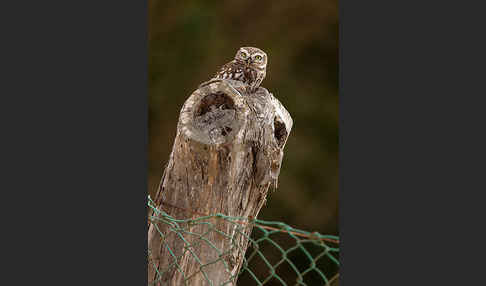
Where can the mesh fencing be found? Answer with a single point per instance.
(277, 254)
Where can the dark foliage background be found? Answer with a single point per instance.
(190, 40)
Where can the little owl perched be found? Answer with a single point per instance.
(249, 66)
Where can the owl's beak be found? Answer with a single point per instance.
(248, 61)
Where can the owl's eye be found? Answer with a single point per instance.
(243, 55)
(258, 57)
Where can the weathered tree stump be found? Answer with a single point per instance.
(227, 153)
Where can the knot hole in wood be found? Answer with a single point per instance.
(215, 114)
(280, 131)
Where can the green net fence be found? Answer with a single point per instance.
(276, 253)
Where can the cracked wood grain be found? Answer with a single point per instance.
(227, 153)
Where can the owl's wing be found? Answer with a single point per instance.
(223, 70)
(232, 70)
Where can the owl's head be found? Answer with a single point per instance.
(252, 56)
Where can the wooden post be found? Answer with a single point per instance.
(227, 153)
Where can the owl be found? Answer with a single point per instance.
(248, 66)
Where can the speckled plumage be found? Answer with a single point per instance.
(248, 66)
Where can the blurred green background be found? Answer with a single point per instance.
(190, 40)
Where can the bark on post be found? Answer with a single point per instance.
(227, 153)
